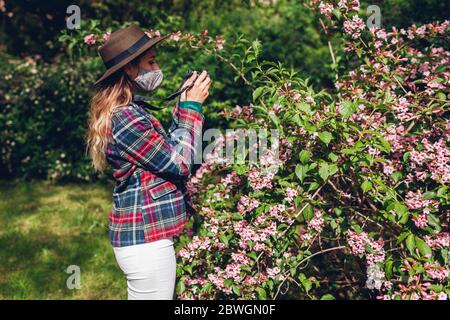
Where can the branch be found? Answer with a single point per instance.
(306, 259)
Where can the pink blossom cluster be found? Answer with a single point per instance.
(291, 194)
(90, 39)
(416, 201)
(435, 158)
(259, 180)
(238, 112)
(417, 291)
(438, 241)
(257, 235)
(197, 243)
(358, 243)
(436, 271)
(354, 27)
(280, 213)
(326, 9)
(247, 204)
(151, 33)
(317, 221)
(219, 42)
(230, 181)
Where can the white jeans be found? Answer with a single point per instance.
(150, 269)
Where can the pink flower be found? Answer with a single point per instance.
(277, 212)
(246, 204)
(436, 272)
(259, 180)
(176, 36)
(354, 27)
(219, 42)
(421, 221)
(272, 272)
(291, 194)
(317, 221)
(326, 9)
(90, 39)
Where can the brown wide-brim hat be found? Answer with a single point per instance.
(123, 46)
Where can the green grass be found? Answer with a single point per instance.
(44, 229)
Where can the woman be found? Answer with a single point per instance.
(149, 164)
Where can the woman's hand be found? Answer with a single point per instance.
(200, 90)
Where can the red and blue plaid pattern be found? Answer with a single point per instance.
(150, 167)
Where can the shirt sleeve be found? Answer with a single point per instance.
(140, 143)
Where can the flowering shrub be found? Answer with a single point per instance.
(357, 203)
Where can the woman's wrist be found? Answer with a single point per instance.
(189, 104)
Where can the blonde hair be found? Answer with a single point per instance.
(112, 93)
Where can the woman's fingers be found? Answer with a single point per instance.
(201, 78)
(206, 82)
(207, 85)
(199, 91)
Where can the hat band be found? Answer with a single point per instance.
(125, 54)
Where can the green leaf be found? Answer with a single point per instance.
(366, 186)
(333, 157)
(301, 172)
(228, 282)
(180, 286)
(274, 118)
(261, 293)
(306, 108)
(332, 169)
(223, 238)
(429, 195)
(406, 156)
(241, 169)
(327, 297)
(313, 186)
(385, 146)
(423, 247)
(325, 137)
(188, 268)
(346, 109)
(388, 267)
(304, 156)
(253, 255)
(397, 175)
(308, 213)
(307, 284)
(250, 57)
(257, 93)
(323, 171)
(434, 222)
(293, 271)
(442, 191)
(236, 289)
(410, 243)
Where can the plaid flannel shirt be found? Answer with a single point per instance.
(150, 167)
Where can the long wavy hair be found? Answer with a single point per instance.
(112, 93)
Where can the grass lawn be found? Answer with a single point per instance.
(46, 228)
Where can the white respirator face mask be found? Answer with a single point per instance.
(149, 80)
